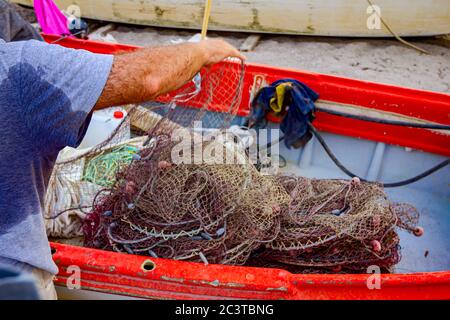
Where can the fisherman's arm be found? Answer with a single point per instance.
(147, 73)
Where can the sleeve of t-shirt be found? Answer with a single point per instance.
(13, 27)
(58, 90)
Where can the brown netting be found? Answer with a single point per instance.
(79, 174)
(73, 186)
(203, 209)
(337, 226)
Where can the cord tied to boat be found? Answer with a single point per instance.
(294, 102)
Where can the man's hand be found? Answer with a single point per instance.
(216, 50)
(147, 73)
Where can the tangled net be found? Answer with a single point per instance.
(205, 210)
(79, 175)
(337, 226)
(203, 213)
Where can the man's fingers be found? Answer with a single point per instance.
(238, 54)
(218, 49)
(233, 52)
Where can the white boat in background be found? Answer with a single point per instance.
(347, 18)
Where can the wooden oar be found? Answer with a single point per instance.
(206, 18)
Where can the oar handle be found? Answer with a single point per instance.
(206, 18)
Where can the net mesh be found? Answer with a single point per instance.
(337, 226)
(140, 201)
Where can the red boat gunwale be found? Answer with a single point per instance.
(118, 273)
(168, 279)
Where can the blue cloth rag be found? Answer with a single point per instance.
(298, 110)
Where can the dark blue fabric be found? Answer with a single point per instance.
(301, 109)
(47, 93)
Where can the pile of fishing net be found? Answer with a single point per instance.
(232, 214)
(198, 212)
(206, 210)
(79, 174)
(337, 226)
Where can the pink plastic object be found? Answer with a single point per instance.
(51, 19)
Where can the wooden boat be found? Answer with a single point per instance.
(375, 151)
(348, 18)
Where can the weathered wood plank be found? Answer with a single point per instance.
(311, 17)
(250, 43)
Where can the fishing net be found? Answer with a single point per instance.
(214, 206)
(79, 174)
(166, 210)
(337, 226)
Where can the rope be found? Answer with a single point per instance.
(66, 36)
(409, 44)
(386, 185)
(102, 168)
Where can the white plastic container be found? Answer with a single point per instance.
(103, 124)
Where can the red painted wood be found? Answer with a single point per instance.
(122, 274)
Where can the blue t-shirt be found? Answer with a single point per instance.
(47, 93)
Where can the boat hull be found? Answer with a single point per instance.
(125, 275)
(304, 17)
